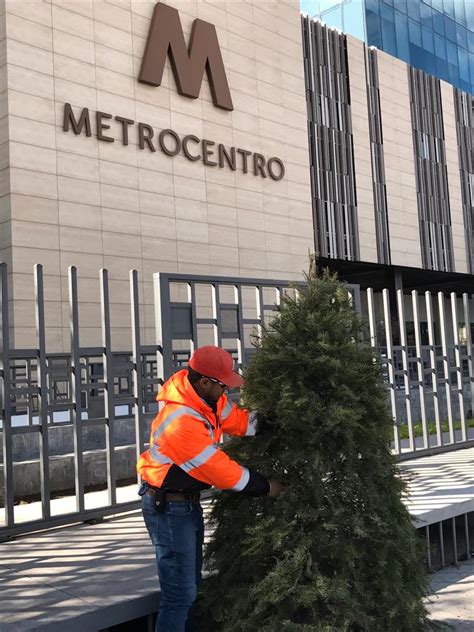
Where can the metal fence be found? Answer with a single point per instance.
(96, 388)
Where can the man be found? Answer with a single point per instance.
(183, 459)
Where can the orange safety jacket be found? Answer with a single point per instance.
(186, 433)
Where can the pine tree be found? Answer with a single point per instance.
(337, 550)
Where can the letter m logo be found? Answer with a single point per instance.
(166, 36)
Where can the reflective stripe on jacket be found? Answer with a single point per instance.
(186, 432)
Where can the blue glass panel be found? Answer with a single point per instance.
(459, 12)
(442, 69)
(373, 29)
(461, 36)
(469, 7)
(333, 17)
(372, 5)
(453, 70)
(448, 7)
(471, 68)
(389, 39)
(437, 4)
(427, 2)
(440, 47)
(438, 23)
(353, 19)
(390, 2)
(450, 28)
(463, 64)
(426, 16)
(401, 30)
(401, 5)
(470, 41)
(414, 33)
(428, 40)
(414, 10)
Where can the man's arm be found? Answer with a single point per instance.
(238, 422)
(189, 446)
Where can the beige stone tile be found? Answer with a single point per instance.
(156, 226)
(120, 198)
(157, 204)
(76, 166)
(34, 158)
(32, 132)
(115, 60)
(31, 10)
(222, 235)
(32, 234)
(198, 254)
(74, 70)
(160, 249)
(119, 175)
(224, 255)
(83, 240)
(29, 31)
(118, 221)
(190, 189)
(80, 215)
(193, 210)
(80, 191)
(71, 22)
(119, 267)
(119, 245)
(220, 214)
(33, 183)
(24, 289)
(33, 107)
(188, 231)
(24, 259)
(34, 209)
(73, 46)
(254, 259)
(31, 57)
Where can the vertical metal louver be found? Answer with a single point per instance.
(330, 141)
(377, 158)
(431, 172)
(463, 104)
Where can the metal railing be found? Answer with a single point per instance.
(98, 388)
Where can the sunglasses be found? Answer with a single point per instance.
(213, 379)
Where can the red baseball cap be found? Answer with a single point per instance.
(215, 362)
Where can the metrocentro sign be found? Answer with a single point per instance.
(171, 143)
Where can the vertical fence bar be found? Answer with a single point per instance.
(441, 543)
(240, 324)
(164, 338)
(446, 369)
(406, 368)
(109, 408)
(391, 368)
(458, 362)
(421, 369)
(455, 540)
(467, 320)
(433, 366)
(216, 314)
(371, 311)
(194, 343)
(466, 531)
(8, 491)
(428, 547)
(137, 365)
(76, 390)
(42, 392)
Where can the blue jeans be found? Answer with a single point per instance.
(177, 535)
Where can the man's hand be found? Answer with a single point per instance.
(275, 488)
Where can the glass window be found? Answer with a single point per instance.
(428, 40)
(461, 36)
(373, 29)
(437, 4)
(426, 16)
(450, 28)
(324, 5)
(469, 7)
(372, 5)
(470, 40)
(441, 58)
(414, 10)
(459, 12)
(388, 35)
(401, 31)
(448, 6)
(438, 23)
(453, 71)
(463, 64)
(414, 33)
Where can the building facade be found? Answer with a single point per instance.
(391, 166)
(104, 164)
(436, 36)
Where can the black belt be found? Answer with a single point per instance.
(193, 497)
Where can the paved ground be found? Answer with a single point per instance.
(72, 574)
(453, 596)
